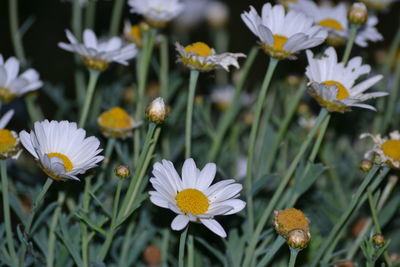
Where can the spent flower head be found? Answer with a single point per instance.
(98, 54)
(193, 197)
(116, 122)
(13, 85)
(9, 140)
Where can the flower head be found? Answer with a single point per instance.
(134, 33)
(200, 56)
(13, 85)
(9, 141)
(61, 149)
(97, 54)
(156, 12)
(332, 84)
(192, 197)
(387, 149)
(290, 219)
(283, 34)
(116, 122)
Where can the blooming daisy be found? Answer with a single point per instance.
(200, 56)
(97, 54)
(9, 141)
(334, 20)
(283, 34)
(12, 85)
(333, 84)
(116, 122)
(156, 12)
(386, 148)
(192, 197)
(61, 149)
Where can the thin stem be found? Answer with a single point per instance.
(84, 231)
(93, 77)
(391, 107)
(373, 211)
(233, 109)
(164, 62)
(182, 242)
(52, 236)
(34, 111)
(90, 14)
(6, 211)
(15, 32)
(278, 192)
(190, 248)
(293, 256)
(116, 17)
(76, 23)
(194, 75)
(350, 42)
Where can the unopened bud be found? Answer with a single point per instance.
(365, 165)
(122, 171)
(298, 239)
(157, 111)
(358, 14)
(378, 240)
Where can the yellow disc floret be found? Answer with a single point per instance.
(66, 161)
(391, 148)
(95, 63)
(342, 91)
(290, 219)
(6, 95)
(116, 122)
(199, 48)
(331, 23)
(192, 201)
(276, 50)
(8, 143)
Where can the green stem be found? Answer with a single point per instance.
(34, 111)
(190, 248)
(90, 14)
(391, 107)
(28, 225)
(84, 230)
(373, 211)
(350, 42)
(182, 241)
(293, 256)
(194, 75)
(164, 62)
(253, 136)
(52, 236)
(15, 32)
(76, 23)
(278, 192)
(344, 218)
(93, 77)
(6, 211)
(116, 17)
(233, 109)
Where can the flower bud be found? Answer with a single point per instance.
(122, 171)
(378, 240)
(365, 165)
(157, 111)
(298, 239)
(358, 14)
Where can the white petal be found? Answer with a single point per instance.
(189, 173)
(6, 118)
(206, 176)
(179, 222)
(214, 226)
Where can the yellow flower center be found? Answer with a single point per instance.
(192, 201)
(279, 41)
(136, 32)
(199, 48)
(115, 118)
(290, 219)
(66, 161)
(342, 91)
(331, 23)
(95, 63)
(7, 141)
(391, 148)
(6, 95)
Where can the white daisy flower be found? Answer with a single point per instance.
(61, 149)
(192, 197)
(97, 54)
(334, 20)
(200, 56)
(9, 141)
(386, 148)
(156, 12)
(283, 34)
(223, 96)
(333, 84)
(13, 85)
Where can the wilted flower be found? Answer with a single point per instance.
(97, 54)
(12, 85)
(200, 56)
(333, 84)
(283, 34)
(116, 122)
(9, 141)
(61, 149)
(192, 197)
(156, 12)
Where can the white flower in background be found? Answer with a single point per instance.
(192, 197)
(9, 141)
(241, 168)
(386, 148)
(13, 85)
(134, 33)
(333, 85)
(61, 149)
(223, 96)
(97, 54)
(283, 34)
(156, 12)
(200, 56)
(334, 20)
(193, 13)
(217, 14)
(378, 4)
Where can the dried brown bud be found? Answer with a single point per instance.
(358, 14)
(122, 171)
(365, 165)
(152, 255)
(157, 111)
(298, 239)
(378, 240)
